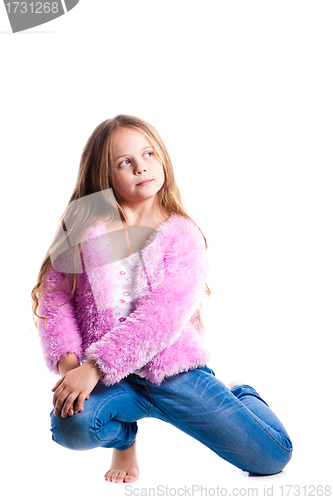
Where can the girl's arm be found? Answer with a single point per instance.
(161, 314)
(62, 334)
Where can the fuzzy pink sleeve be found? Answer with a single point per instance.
(161, 314)
(62, 335)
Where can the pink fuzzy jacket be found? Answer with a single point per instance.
(158, 335)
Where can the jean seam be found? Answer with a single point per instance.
(131, 441)
(203, 371)
(265, 430)
(150, 405)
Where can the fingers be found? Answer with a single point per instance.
(61, 391)
(79, 404)
(57, 403)
(67, 402)
(63, 401)
(58, 383)
(66, 407)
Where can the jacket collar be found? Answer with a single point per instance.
(99, 262)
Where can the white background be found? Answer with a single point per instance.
(241, 92)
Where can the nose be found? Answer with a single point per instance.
(139, 166)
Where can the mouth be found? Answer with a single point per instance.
(144, 183)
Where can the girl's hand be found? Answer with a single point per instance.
(77, 384)
(67, 363)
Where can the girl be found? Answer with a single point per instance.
(118, 298)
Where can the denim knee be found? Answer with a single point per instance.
(274, 464)
(74, 432)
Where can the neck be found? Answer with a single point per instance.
(143, 215)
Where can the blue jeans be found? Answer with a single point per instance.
(238, 425)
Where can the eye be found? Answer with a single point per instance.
(148, 153)
(121, 164)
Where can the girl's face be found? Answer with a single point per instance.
(136, 161)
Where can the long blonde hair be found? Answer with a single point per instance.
(97, 174)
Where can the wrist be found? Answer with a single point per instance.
(67, 363)
(91, 365)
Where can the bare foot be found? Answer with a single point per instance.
(124, 466)
(234, 382)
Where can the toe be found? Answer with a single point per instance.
(121, 476)
(233, 383)
(110, 475)
(130, 476)
(115, 477)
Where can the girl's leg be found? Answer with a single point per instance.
(271, 424)
(108, 419)
(238, 425)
